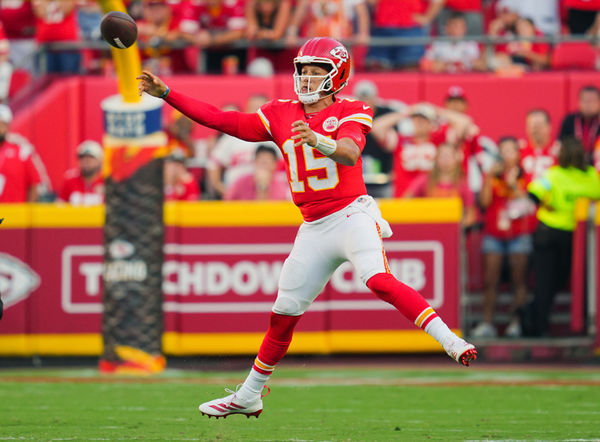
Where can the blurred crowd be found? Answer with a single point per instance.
(227, 36)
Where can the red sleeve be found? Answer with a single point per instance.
(355, 131)
(244, 126)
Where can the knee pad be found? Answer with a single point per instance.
(286, 305)
(292, 285)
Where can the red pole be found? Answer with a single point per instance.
(578, 273)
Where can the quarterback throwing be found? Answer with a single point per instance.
(321, 138)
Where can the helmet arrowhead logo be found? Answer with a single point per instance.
(340, 53)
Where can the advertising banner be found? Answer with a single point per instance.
(220, 273)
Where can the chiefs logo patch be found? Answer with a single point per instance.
(340, 53)
(330, 124)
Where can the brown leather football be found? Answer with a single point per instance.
(118, 29)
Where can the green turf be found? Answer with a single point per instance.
(307, 404)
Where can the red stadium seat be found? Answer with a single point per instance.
(574, 55)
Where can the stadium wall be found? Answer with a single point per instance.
(221, 268)
(69, 111)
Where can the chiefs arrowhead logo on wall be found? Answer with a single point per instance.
(17, 280)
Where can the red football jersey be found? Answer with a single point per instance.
(414, 159)
(186, 189)
(535, 161)
(79, 192)
(18, 18)
(17, 172)
(319, 185)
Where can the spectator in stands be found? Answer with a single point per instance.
(446, 180)
(56, 22)
(545, 14)
(179, 133)
(340, 19)
(409, 18)
(232, 157)
(158, 30)
(220, 24)
(89, 16)
(19, 24)
(266, 182)
(581, 15)
(479, 151)
(472, 11)
(179, 184)
(584, 124)
(454, 56)
(556, 194)
(84, 185)
(6, 68)
(267, 20)
(522, 54)
(19, 165)
(539, 151)
(377, 161)
(507, 234)
(413, 135)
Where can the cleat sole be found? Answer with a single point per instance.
(468, 356)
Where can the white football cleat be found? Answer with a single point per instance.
(461, 351)
(227, 405)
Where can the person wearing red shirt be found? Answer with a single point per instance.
(408, 18)
(56, 21)
(446, 180)
(508, 225)
(19, 23)
(179, 184)
(19, 173)
(539, 151)
(158, 28)
(84, 186)
(321, 138)
(471, 10)
(219, 23)
(521, 54)
(414, 135)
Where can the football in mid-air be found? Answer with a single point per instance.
(118, 29)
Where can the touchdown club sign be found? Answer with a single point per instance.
(219, 282)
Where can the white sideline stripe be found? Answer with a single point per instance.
(249, 307)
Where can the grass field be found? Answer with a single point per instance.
(308, 403)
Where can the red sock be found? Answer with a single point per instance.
(407, 300)
(276, 342)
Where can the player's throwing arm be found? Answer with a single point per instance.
(152, 85)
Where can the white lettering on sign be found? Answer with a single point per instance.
(211, 279)
(126, 124)
(123, 271)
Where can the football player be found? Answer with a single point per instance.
(321, 138)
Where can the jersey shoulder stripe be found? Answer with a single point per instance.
(265, 121)
(365, 119)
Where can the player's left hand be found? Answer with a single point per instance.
(303, 134)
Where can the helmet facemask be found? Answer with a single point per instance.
(325, 82)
